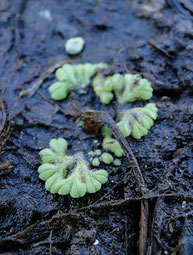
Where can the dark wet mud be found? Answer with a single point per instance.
(150, 37)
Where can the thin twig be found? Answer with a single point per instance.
(22, 238)
(51, 242)
(5, 126)
(98, 118)
(163, 52)
(17, 33)
(126, 201)
(116, 185)
(4, 115)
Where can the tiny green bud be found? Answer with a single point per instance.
(106, 97)
(91, 153)
(117, 162)
(106, 158)
(95, 162)
(80, 123)
(74, 45)
(98, 152)
(106, 132)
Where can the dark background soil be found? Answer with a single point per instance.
(149, 37)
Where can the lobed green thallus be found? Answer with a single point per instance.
(71, 77)
(134, 122)
(127, 88)
(110, 143)
(55, 164)
(138, 120)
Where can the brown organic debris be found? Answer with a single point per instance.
(5, 168)
(5, 124)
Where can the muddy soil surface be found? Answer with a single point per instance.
(150, 37)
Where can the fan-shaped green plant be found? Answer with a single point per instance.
(134, 122)
(55, 164)
(137, 121)
(81, 180)
(73, 76)
(107, 158)
(127, 88)
(133, 88)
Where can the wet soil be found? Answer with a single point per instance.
(150, 37)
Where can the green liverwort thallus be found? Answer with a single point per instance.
(73, 77)
(55, 171)
(127, 88)
(135, 122)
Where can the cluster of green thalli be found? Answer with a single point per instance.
(72, 174)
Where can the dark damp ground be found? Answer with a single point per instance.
(151, 38)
